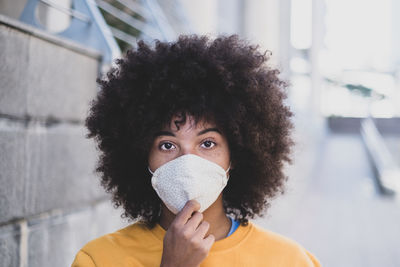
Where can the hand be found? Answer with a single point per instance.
(185, 243)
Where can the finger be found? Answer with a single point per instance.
(195, 220)
(209, 241)
(201, 231)
(183, 216)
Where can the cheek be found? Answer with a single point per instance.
(154, 159)
(226, 158)
(221, 157)
(158, 158)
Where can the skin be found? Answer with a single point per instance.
(190, 233)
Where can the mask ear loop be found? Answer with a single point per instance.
(152, 173)
(227, 170)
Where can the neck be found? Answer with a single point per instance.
(214, 215)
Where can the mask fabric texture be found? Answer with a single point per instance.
(189, 177)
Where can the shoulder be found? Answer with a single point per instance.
(132, 234)
(281, 247)
(115, 245)
(83, 259)
(262, 235)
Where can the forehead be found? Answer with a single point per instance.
(177, 124)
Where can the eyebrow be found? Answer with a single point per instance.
(167, 133)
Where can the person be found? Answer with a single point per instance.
(193, 136)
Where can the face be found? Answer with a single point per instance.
(203, 139)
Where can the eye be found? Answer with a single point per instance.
(167, 146)
(208, 144)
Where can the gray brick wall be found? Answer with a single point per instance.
(10, 245)
(51, 203)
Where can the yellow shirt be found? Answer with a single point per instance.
(137, 245)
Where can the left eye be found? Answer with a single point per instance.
(208, 144)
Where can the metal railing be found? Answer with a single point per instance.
(98, 23)
(87, 27)
(387, 170)
(147, 19)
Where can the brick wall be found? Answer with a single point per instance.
(51, 203)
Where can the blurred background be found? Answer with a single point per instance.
(342, 59)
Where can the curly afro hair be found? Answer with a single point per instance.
(225, 80)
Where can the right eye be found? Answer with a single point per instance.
(167, 146)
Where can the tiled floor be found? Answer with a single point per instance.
(336, 212)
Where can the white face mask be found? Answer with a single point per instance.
(189, 177)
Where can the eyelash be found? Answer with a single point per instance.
(160, 146)
(207, 140)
